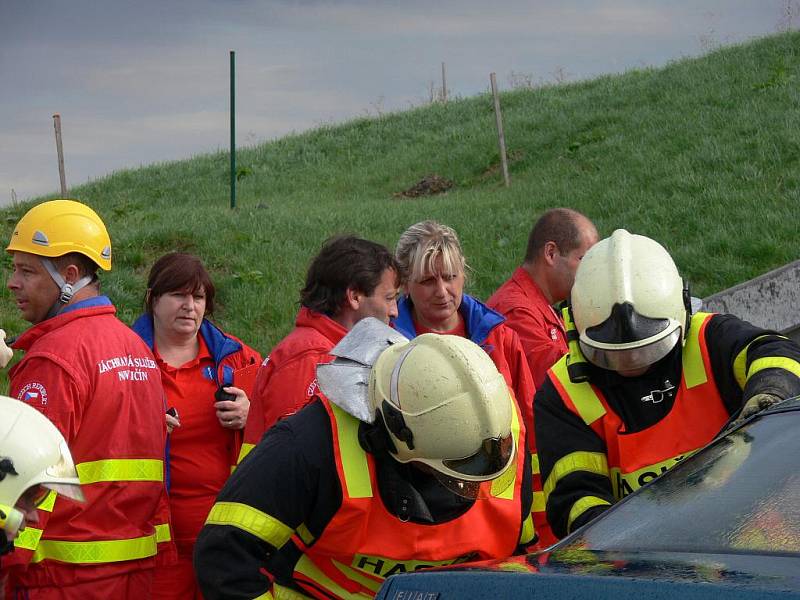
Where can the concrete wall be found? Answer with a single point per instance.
(771, 300)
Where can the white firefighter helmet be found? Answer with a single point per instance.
(445, 405)
(629, 303)
(33, 455)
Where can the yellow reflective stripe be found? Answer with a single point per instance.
(49, 502)
(244, 451)
(281, 593)
(504, 485)
(95, 552)
(514, 567)
(251, 520)
(740, 363)
(284, 593)
(539, 503)
(163, 533)
(694, 371)
(308, 569)
(121, 469)
(535, 463)
(304, 534)
(582, 395)
(28, 538)
(528, 531)
(740, 371)
(581, 506)
(354, 459)
(774, 362)
(354, 575)
(591, 462)
(740, 367)
(623, 484)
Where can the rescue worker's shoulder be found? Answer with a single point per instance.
(730, 329)
(306, 433)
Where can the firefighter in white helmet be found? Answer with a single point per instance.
(411, 456)
(34, 463)
(646, 382)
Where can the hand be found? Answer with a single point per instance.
(233, 414)
(756, 404)
(5, 352)
(172, 422)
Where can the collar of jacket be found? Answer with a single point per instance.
(479, 319)
(531, 289)
(321, 323)
(96, 305)
(220, 346)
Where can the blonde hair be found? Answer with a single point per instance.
(420, 246)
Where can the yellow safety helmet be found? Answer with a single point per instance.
(629, 303)
(445, 405)
(58, 227)
(32, 453)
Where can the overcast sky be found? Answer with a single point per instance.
(146, 81)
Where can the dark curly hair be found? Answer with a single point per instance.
(344, 262)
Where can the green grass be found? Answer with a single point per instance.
(703, 155)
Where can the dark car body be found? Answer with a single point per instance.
(723, 523)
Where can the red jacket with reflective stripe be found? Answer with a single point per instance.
(369, 543)
(97, 381)
(697, 415)
(287, 379)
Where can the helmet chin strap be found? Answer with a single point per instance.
(67, 290)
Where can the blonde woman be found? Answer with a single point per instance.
(433, 267)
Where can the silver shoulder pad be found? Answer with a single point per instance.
(345, 380)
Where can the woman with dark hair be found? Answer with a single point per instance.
(206, 414)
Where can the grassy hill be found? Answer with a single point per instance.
(703, 155)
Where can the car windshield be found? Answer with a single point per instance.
(742, 494)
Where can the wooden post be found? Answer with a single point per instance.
(60, 152)
(233, 129)
(501, 139)
(444, 85)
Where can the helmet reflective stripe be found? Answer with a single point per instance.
(396, 375)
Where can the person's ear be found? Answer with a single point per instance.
(71, 274)
(352, 298)
(550, 251)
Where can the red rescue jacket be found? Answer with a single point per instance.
(98, 382)
(287, 379)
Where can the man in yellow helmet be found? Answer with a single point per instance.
(646, 382)
(411, 455)
(98, 383)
